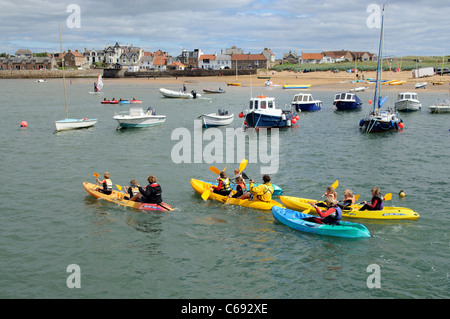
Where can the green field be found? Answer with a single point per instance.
(407, 63)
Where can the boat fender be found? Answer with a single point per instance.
(283, 117)
(288, 123)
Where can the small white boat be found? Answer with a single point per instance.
(420, 85)
(179, 94)
(407, 102)
(136, 117)
(73, 124)
(220, 118)
(443, 107)
(41, 81)
(305, 102)
(359, 89)
(212, 91)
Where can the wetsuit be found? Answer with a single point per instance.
(331, 217)
(377, 204)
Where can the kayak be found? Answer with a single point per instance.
(136, 102)
(201, 186)
(388, 213)
(117, 197)
(276, 189)
(106, 102)
(296, 220)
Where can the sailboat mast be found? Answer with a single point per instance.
(380, 59)
(62, 62)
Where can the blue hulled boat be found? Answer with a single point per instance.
(304, 102)
(262, 113)
(380, 121)
(347, 101)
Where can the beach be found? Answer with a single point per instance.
(325, 80)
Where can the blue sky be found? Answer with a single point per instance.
(411, 27)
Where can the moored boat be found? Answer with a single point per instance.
(136, 117)
(347, 101)
(212, 91)
(440, 107)
(179, 94)
(72, 124)
(407, 102)
(200, 187)
(220, 118)
(388, 212)
(303, 222)
(118, 198)
(305, 102)
(263, 113)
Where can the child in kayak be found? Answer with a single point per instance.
(349, 198)
(223, 188)
(377, 201)
(133, 191)
(152, 192)
(107, 184)
(241, 189)
(331, 216)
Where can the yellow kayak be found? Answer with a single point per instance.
(117, 197)
(388, 213)
(234, 84)
(201, 186)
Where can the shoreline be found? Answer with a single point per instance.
(320, 80)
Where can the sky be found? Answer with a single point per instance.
(411, 27)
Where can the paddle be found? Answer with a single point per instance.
(242, 166)
(96, 176)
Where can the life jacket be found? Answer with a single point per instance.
(154, 196)
(380, 202)
(243, 187)
(266, 196)
(335, 217)
(225, 184)
(107, 185)
(134, 190)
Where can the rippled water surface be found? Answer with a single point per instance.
(207, 249)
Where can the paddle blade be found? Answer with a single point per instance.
(388, 196)
(214, 170)
(96, 174)
(206, 194)
(224, 168)
(356, 197)
(335, 184)
(119, 187)
(243, 165)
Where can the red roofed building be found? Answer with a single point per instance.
(73, 59)
(205, 61)
(311, 58)
(248, 61)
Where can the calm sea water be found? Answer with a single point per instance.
(205, 249)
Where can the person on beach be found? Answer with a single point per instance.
(331, 216)
(223, 188)
(262, 193)
(133, 191)
(152, 192)
(107, 184)
(241, 188)
(376, 202)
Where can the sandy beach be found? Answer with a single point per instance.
(318, 80)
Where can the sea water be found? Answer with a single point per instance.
(205, 249)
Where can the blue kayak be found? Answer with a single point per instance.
(276, 189)
(296, 220)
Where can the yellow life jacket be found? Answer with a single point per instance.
(225, 184)
(263, 192)
(109, 185)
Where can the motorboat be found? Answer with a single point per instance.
(305, 102)
(440, 107)
(407, 102)
(347, 101)
(263, 113)
(179, 94)
(137, 117)
(220, 118)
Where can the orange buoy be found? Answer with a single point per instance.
(23, 124)
(241, 115)
(401, 125)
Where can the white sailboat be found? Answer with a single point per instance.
(98, 86)
(70, 123)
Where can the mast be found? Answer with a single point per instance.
(62, 62)
(380, 59)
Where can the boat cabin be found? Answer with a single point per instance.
(407, 96)
(261, 102)
(302, 97)
(346, 97)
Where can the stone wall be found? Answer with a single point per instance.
(48, 74)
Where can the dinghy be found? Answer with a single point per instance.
(220, 118)
(136, 117)
(179, 94)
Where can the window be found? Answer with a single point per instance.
(263, 104)
(270, 104)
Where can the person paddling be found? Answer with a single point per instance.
(152, 192)
(377, 201)
(223, 188)
(241, 188)
(331, 216)
(262, 193)
(107, 184)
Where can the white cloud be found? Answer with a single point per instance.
(412, 27)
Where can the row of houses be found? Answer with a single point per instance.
(328, 57)
(136, 59)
